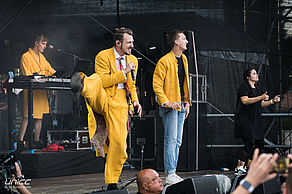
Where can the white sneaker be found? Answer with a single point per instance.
(240, 171)
(172, 179)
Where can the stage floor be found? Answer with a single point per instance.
(87, 183)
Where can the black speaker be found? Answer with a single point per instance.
(269, 187)
(194, 155)
(199, 185)
(120, 191)
(142, 137)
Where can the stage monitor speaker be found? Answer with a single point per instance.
(120, 191)
(198, 185)
(269, 187)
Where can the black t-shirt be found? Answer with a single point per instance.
(181, 76)
(248, 118)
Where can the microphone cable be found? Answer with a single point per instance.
(107, 29)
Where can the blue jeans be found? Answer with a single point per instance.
(173, 122)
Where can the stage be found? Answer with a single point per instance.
(82, 172)
(87, 183)
(224, 39)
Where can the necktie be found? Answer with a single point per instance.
(128, 93)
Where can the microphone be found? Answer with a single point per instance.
(133, 74)
(52, 47)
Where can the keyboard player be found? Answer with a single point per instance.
(33, 62)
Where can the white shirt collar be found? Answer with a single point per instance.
(117, 54)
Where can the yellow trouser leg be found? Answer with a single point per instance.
(94, 92)
(116, 121)
(96, 101)
(115, 111)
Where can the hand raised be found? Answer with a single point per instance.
(277, 98)
(129, 67)
(264, 96)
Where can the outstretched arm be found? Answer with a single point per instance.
(246, 100)
(259, 171)
(276, 99)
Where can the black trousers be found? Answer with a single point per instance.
(249, 145)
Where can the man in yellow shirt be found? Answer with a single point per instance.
(171, 86)
(33, 61)
(106, 94)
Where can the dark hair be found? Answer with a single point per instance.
(40, 38)
(119, 34)
(247, 73)
(172, 36)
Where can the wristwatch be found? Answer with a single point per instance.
(245, 184)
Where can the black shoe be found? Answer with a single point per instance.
(76, 87)
(37, 145)
(75, 83)
(112, 186)
(20, 146)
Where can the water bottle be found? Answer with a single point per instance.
(55, 122)
(224, 169)
(10, 77)
(15, 146)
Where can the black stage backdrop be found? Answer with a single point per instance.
(226, 45)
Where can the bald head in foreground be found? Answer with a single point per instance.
(148, 181)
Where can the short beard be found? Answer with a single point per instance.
(124, 52)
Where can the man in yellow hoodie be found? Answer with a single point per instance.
(33, 61)
(171, 86)
(107, 93)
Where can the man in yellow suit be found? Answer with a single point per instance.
(171, 86)
(33, 61)
(106, 94)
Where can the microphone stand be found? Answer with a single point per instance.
(76, 101)
(75, 58)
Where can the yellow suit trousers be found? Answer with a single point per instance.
(115, 111)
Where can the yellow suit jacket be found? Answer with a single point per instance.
(106, 68)
(29, 65)
(166, 81)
